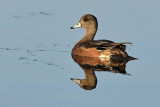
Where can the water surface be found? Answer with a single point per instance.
(36, 42)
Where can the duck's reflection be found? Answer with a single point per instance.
(90, 65)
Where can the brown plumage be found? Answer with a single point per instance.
(98, 48)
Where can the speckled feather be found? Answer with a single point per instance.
(103, 44)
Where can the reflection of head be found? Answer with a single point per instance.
(92, 64)
(87, 84)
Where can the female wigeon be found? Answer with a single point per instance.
(98, 48)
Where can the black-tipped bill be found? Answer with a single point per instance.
(76, 80)
(76, 26)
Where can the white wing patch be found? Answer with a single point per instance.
(103, 57)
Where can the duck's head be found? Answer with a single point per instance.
(86, 83)
(87, 21)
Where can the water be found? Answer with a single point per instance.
(36, 42)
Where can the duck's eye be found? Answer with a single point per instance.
(85, 19)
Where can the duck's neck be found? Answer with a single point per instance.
(90, 75)
(89, 35)
(90, 79)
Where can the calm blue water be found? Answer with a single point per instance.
(36, 41)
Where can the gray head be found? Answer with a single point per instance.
(87, 21)
(87, 84)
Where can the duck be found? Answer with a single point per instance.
(89, 47)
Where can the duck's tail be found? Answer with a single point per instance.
(131, 58)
